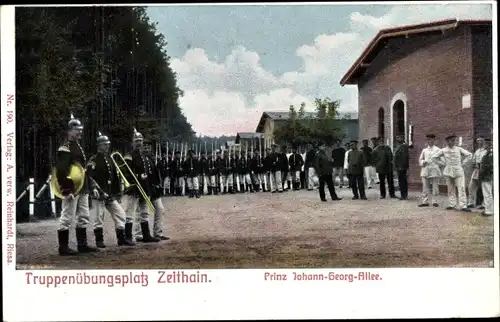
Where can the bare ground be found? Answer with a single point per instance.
(288, 230)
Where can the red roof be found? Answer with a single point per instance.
(350, 77)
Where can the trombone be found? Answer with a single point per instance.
(121, 163)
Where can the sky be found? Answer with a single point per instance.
(235, 62)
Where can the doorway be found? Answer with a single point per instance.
(381, 123)
(399, 122)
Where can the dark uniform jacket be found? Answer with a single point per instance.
(243, 165)
(176, 168)
(368, 154)
(296, 162)
(233, 165)
(105, 175)
(402, 157)
(309, 162)
(382, 159)
(140, 163)
(69, 153)
(220, 164)
(212, 167)
(338, 155)
(486, 167)
(356, 162)
(203, 166)
(191, 166)
(323, 164)
(283, 162)
(165, 168)
(273, 162)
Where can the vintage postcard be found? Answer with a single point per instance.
(250, 161)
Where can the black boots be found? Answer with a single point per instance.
(210, 191)
(81, 239)
(128, 233)
(99, 238)
(242, 188)
(63, 237)
(146, 234)
(122, 239)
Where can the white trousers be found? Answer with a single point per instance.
(179, 182)
(275, 179)
(245, 178)
(258, 179)
(211, 181)
(454, 184)
(227, 180)
(295, 176)
(115, 210)
(370, 176)
(137, 212)
(311, 174)
(487, 187)
(474, 185)
(166, 184)
(338, 172)
(193, 183)
(430, 190)
(77, 207)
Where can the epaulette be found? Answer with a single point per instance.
(127, 157)
(63, 148)
(91, 164)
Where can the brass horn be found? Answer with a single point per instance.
(121, 165)
(76, 174)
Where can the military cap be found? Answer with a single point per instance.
(430, 136)
(449, 137)
(480, 138)
(74, 123)
(102, 139)
(375, 138)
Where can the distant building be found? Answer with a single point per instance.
(427, 78)
(269, 121)
(250, 139)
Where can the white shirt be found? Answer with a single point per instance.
(303, 158)
(454, 159)
(478, 155)
(432, 168)
(346, 158)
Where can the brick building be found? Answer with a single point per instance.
(427, 78)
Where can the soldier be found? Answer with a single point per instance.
(338, 154)
(430, 173)
(220, 167)
(368, 171)
(486, 178)
(382, 158)
(105, 182)
(276, 169)
(323, 166)
(346, 155)
(303, 170)
(285, 168)
(401, 164)
(375, 143)
(191, 165)
(454, 158)
(203, 172)
(356, 164)
(166, 173)
(143, 169)
(212, 172)
(474, 183)
(256, 170)
(73, 205)
(177, 173)
(309, 167)
(267, 163)
(296, 162)
(243, 172)
(234, 171)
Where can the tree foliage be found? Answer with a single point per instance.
(322, 127)
(106, 65)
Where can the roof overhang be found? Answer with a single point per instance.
(361, 63)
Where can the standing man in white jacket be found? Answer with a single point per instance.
(474, 183)
(430, 173)
(454, 157)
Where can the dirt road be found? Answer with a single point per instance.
(286, 230)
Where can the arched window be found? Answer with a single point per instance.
(399, 118)
(381, 123)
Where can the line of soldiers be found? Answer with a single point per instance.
(231, 172)
(102, 190)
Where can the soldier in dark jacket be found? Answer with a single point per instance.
(220, 169)
(177, 169)
(166, 173)
(309, 167)
(486, 178)
(275, 166)
(212, 171)
(284, 167)
(192, 167)
(383, 161)
(203, 172)
(368, 170)
(338, 154)
(323, 167)
(295, 162)
(356, 163)
(401, 164)
(74, 204)
(105, 182)
(257, 171)
(244, 174)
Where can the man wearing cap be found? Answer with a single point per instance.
(338, 154)
(276, 169)
(73, 205)
(346, 163)
(244, 174)
(382, 158)
(106, 190)
(474, 183)
(401, 165)
(166, 173)
(220, 170)
(485, 176)
(227, 173)
(177, 173)
(203, 172)
(211, 171)
(268, 161)
(257, 168)
(454, 158)
(137, 210)
(430, 173)
(309, 166)
(356, 164)
(368, 172)
(284, 167)
(323, 167)
(191, 164)
(296, 162)
(373, 171)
